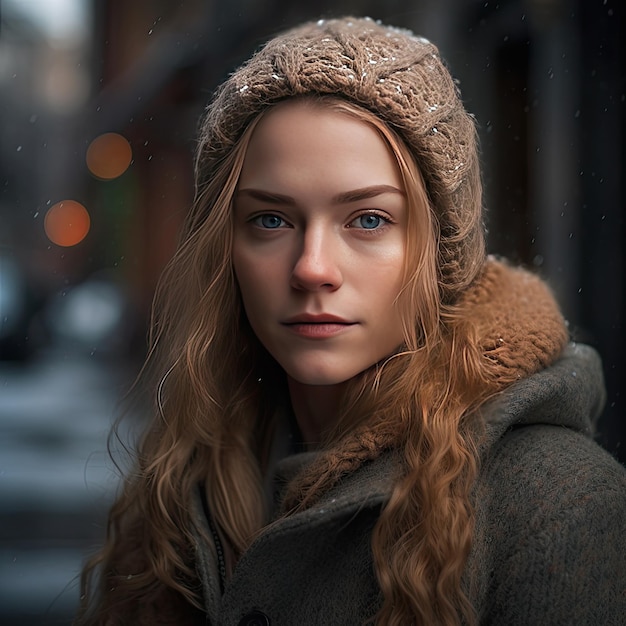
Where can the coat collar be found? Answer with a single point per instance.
(570, 393)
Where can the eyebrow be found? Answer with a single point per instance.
(344, 197)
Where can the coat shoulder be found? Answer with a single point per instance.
(551, 516)
(553, 466)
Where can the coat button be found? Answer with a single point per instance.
(255, 618)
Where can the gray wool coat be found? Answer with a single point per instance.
(550, 540)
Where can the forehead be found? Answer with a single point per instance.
(297, 137)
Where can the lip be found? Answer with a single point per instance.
(317, 326)
(316, 318)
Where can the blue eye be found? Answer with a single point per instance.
(368, 221)
(268, 221)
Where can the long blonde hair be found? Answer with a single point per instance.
(212, 422)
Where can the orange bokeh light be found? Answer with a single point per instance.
(108, 156)
(67, 223)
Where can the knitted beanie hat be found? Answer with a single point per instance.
(400, 78)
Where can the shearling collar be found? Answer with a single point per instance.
(516, 321)
(539, 377)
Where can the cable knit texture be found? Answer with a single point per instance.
(398, 76)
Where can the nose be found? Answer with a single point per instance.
(317, 266)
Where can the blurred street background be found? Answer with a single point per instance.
(99, 105)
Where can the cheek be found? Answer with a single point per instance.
(386, 276)
(389, 281)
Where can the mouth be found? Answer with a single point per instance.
(313, 318)
(320, 326)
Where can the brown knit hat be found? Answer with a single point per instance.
(399, 77)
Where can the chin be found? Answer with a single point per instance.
(319, 376)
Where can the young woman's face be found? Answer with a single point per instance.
(319, 242)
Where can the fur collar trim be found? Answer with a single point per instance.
(517, 321)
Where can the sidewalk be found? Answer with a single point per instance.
(56, 480)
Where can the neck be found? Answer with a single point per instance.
(315, 408)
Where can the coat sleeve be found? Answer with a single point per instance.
(558, 518)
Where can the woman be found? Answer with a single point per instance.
(359, 417)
